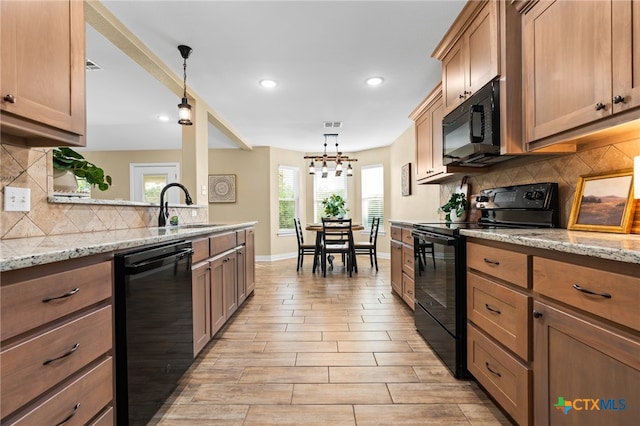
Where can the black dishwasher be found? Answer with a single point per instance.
(153, 327)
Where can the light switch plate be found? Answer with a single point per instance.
(17, 199)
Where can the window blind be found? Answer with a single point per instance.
(288, 197)
(372, 194)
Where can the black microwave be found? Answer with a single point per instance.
(471, 132)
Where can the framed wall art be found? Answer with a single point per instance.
(603, 202)
(406, 179)
(222, 188)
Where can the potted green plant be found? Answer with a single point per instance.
(455, 208)
(334, 206)
(67, 160)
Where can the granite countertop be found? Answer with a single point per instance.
(619, 247)
(25, 252)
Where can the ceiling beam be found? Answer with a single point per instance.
(107, 24)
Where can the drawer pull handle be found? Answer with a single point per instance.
(587, 291)
(73, 413)
(67, 294)
(64, 355)
(492, 371)
(491, 262)
(489, 308)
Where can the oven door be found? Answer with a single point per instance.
(436, 277)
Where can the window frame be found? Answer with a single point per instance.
(296, 198)
(363, 197)
(318, 214)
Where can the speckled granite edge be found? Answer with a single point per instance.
(93, 201)
(618, 247)
(25, 252)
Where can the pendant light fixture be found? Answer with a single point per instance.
(339, 159)
(184, 109)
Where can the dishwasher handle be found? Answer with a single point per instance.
(156, 262)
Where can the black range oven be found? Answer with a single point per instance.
(440, 263)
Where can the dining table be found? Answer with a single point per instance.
(317, 228)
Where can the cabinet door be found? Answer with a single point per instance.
(584, 374)
(230, 277)
(218, 310)
(482, 49)
(241, 279)
(250, 261)
(567, 68)
(626, 54)
(396, 267)
(201, 300)
(429, 137)
(43, 55)
(453, 77)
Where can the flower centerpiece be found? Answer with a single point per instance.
(334, 206)
(455, 208)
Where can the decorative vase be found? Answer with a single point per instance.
(64, 181)
(456, 218)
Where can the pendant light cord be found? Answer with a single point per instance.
(184, 66)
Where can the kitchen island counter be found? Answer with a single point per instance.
(25, 252)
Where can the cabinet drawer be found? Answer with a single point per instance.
(558, 280)
(502, 375)
(24, 375)
(90, 393)
(504, 264)
(240, 237)
(501, 312)
(408, 290)
(106, 419)
(200, 250)
(23, 305)
(222, 242)
(407, 238)
(396, 233)
(408, 262)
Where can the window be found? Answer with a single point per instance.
(324, 187)
(372, 194)
(288, 197)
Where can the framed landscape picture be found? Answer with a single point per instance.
(405, 179)
(603, 202)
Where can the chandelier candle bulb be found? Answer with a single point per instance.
(339, 159)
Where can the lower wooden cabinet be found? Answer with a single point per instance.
(402, 264)
(396, 267)
(506, 378)
(201, 296)
(585, 372)
(56, 356)
(222, 282)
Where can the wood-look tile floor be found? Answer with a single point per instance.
(308, 350)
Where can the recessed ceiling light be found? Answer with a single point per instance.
(269, 84)
(163, 118)
(374, 81)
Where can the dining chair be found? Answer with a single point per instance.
(337, 238)
(370, 247)
(303, 249)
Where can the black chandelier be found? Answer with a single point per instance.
(339, 159)
(184, 109)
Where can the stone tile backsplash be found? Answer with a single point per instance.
(32, 168)
(564, 169)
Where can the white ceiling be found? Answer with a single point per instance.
(320, 52)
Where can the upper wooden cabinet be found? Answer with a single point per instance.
(42, 95)
(428, 118)
(469, 52)
(580, 74)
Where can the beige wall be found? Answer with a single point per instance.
(116, 165)
(422, 205)
(253, 191)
